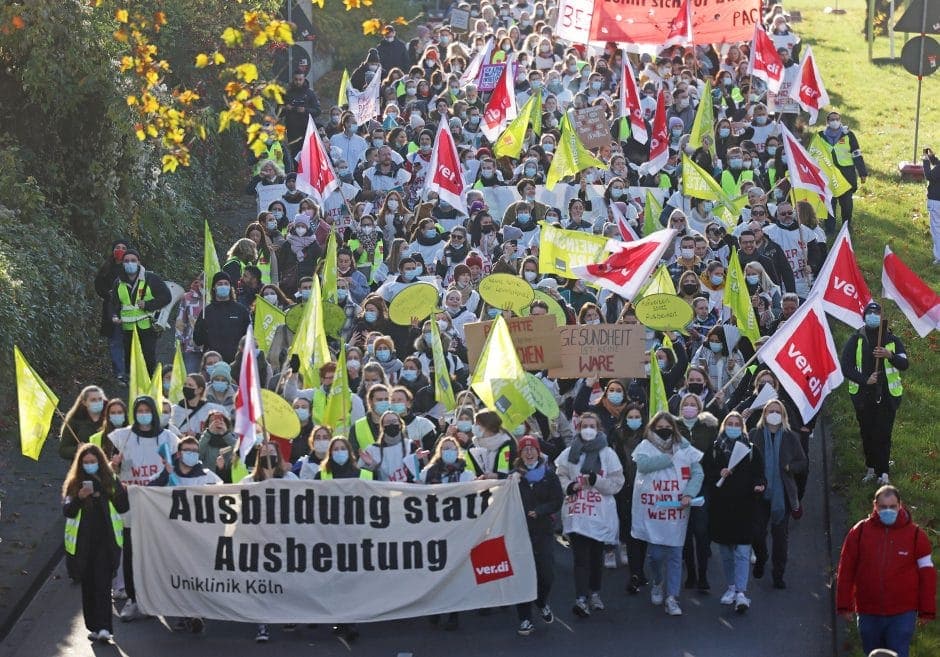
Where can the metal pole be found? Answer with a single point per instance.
(290, 49)
(920, 77)
(871, 28)
(891, 29)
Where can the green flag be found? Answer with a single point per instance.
(738, 298)
(443, 390)
(156, 387)
(651, 212)
(210, 258)
(509, 144)
(178, 376)
(658, 399)
(310, 340)
(499, 380)
(536, 115)
(660, 283)
(36, 403)
(329, 270)
(570, 156)
(336, 415)
(267, 318)
(703, 128)
(343, 85)
(139, 381)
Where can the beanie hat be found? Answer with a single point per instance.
(220, 276)
(529, 441)
(221, 369)
(474, 260)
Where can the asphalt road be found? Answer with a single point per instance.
(795, 622)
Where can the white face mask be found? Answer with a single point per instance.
(774, 419)
(588, 433)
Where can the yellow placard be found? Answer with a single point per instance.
(506, 292)
(278, 416)
(664, 312)
(417, 300)
(554, 308)
(542, 397)
(334, 318)
(293, 317)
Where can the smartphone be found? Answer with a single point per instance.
(225, 451)
(90, 485)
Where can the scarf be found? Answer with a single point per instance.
(591, 450)
(368, 242)
(298, 244)
(614, 411)
(664, 445)
(774, 493)
(536, 474)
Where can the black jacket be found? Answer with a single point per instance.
(393, 54)
(95, 531)
(159, 290)
(932, 176)
(294, 121)
(104, 282)
(869, 394)
(772, 252)
(544, 497)
(221, 327)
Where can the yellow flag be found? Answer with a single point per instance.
(156, 387)
(703, 128)
(210, 257)
(660, 283)
(738, 299)
(443, 390)
(36, 404)
(823, 156)
(510, 142)
(178, 376)
(798, 194)
(499, 380)
(139, 382)
(560, 250)
(267, 318)
(570, 156)
(651, 212)
(698, 183)
(310, 341)
(336, 414)
(658, 399)
(343, 85)
(329, 270)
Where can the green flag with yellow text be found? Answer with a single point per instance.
(443, 388)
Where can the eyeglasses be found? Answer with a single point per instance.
(758, 213)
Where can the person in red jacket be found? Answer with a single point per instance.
(887, 576)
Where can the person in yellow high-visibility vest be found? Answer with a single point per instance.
(872, 360)
(92, 501)
(847, 155)
(135, 297)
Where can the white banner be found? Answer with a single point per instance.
(365, 104)
(268, 194)
(501, 197)
(339, 551)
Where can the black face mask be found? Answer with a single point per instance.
(189, 394)
(690, 288)
(665, 433)
(695, 388)
(392, 430)
(268, 462)
(486, 230)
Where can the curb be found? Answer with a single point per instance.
(834, 517)
(48, 553)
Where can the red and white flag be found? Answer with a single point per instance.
(765, 62)
(917, 300)
(627, 234)
(626, 269)
(630, 102)
(502, 106)
(476, 64)
(844, 290)
(659, 144)
(803, 356)
(444, 175)
(810, 92)
(315, 175)
(248, 398)
(680, 28)
(804, 172)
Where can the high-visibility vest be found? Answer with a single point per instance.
(275, 154)
(264, 266)
(895, 389)
(664, 181)
(363, 474)
(71, 529)
(363, 433)
(377, 257)
(732, 187)
(95, 438)
(841, 151)
(131, 315)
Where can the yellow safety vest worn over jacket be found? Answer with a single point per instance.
(131, 314)
(71, 529)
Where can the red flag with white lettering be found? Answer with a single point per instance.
(659, 145)
(803, 356)
(804, 172)
(765, 62)
(844, 290)
(630, 102)
(629, 265)
(248, 398)
(680, 28)
(445, 176)
(627, 234)
(315, 175)
(810, 94)
(917, 300)
(502, 106)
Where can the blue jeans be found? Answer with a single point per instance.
(116, 349)
(670, 558)
(736, 562)
(892, 632)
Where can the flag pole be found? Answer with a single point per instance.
(881, 329)
(732, 380)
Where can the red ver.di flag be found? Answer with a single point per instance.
(917, 300)
(315, 175)
(844, 290)
(444, 175)
(659, 145)
(804, 172)
(502, 106)
(810, 94)
(765, 62)
(627, 268)
(652, 23)
(803, 356)
(630, 103)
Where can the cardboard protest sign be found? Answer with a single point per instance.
(601, 350)
(535, 339)
(592, 127)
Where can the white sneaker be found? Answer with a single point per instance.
(525, 628)
(672, 607)
(883, 480)
(610, 559)
(622, 555)
(118, 594)
(92, 636)
(596, 603)
(869, 476)
(741, 603)
(130, 612)
(728, 597)
(656, 594)
(753, 558)
(104, 636)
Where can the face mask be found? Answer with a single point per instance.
(588, 434)
(302, 414)
(683, 103)
(733, 432)
(493, 312)
(747, 164)
(774, 419)
(696, 388)
(381, 406)
(760, 120)
(222, 292)
(430, 233)
(144, 419)
(634, 423)
(370, 316)
(752, 279)
(529, 172)
(392, 430)
(888, 516)
(351, 128)
(368, 230)
(410, 274)
(343, 171)
(271, 225)
(835, 125)
(130, 268)
(676, 132)
(449, 456)
(342, 294)
(340, 456)
(593, 321)
(596, 86)
(708, 206)
(735, 163)
(522, 218)
(378, 142)
(662, 364)
(615, 397)
(724, 133)
(688, 254)
(118, 418)
(190, 459)
(320, 446)
(663, 432)
(715, 347)
(530, 276)
(300, 231)
(771, 151)
(872, 320)
(689, 412)
(689, 288)
(334, 119)
(412, 375)
(717, 280)
(96, 407)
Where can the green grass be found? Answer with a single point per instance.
(877, 101)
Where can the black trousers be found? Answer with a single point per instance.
(544, 555)
(779, 535)
(129, 567)
(697, 548)
(96, 590)
(875, 424)
(148, 344)
(845, 206)
(636, 549)
(803, 477)
(588, 564)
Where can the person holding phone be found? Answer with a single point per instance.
(92, 501)
(932, 176)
